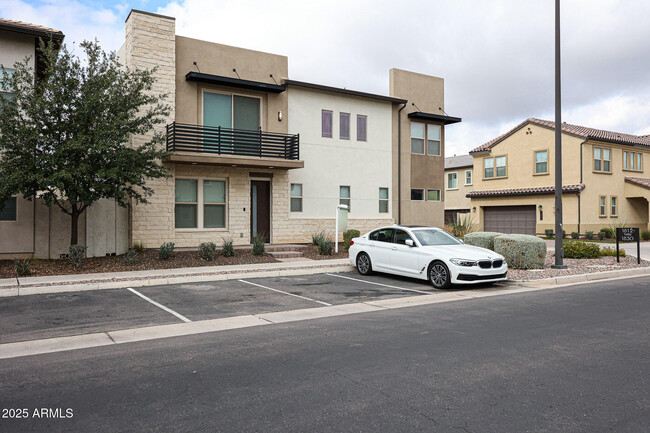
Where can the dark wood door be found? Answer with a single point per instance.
(261, 209)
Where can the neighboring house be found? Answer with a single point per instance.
(605, 179)
(459, 181)
(28, 228)
(255, 153)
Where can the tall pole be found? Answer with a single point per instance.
(559, 249)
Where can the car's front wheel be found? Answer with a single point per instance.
(439, 275)
(364, 265)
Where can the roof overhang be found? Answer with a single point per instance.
(637, 187)
(430, 117)
(57, 36)
(566, 189)
(232, 160)
(344, 91)
(234, 82)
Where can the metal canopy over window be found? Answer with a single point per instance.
(234, 82)
(447, 120)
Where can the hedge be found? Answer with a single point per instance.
(481, 239)
(521, 251)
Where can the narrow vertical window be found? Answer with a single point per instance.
(186, 203)
(296, 197)
(452, 180)
(214, 204)
(362, 127)
(500, 162)
(326, 123)
(433, 140)
(614, 206)
(383, 200)
(468, 177)
(344, 126)
(603, 206)
(417, 138)
(488, 168)
(632, 161)
(344, 196)
(639, 161)
(541, 161)
(607, 158)
(626, 158)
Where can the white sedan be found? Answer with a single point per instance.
(425, 253)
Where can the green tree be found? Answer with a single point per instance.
(66, 135)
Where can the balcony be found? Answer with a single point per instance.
(196, 144)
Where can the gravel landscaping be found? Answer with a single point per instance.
(575, 266)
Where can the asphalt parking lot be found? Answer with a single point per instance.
(56, 315)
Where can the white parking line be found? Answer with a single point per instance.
(285, 293)
(379, 284)
(169, 310)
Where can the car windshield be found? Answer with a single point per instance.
(435, 237)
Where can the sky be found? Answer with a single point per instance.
(497, 57)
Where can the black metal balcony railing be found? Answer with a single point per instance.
(183, 137)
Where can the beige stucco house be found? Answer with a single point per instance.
(605, 179)
(459, 181)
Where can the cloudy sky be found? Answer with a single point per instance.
(496, 56)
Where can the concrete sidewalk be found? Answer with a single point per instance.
(154, 277)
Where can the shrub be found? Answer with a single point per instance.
(317, 237)
(348, 235)
(166, 250)
(589, 235)
(23, 266)
(326, 246)
(645, 235)
(76, 255)
(227, 248)
(131, 257)
(601, 235)
(462, 226)
(581, 250)
(548, 233)
(481, 239)
(609, 251)
(575, 235)
(138, 247)
(521, 251)
(258, 245)
(610, 233)
(208, 250)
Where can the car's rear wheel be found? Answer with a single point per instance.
(439, 275)
(364, 265)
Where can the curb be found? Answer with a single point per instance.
(119, 283)
(582, 278)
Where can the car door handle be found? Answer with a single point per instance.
(394, 248)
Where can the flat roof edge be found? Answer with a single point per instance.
(344, 91)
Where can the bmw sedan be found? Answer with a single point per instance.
(427, 253)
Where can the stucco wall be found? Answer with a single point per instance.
(457, 198)
(16, 47)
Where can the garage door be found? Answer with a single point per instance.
(509, 219)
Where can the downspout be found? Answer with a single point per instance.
(399, 164)
(581, 181)
(578, 194)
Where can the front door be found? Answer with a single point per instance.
(261, 209)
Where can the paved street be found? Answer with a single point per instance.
(569, 359)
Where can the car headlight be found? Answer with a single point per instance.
(464, 262)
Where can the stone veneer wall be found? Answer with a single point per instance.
(151, 43)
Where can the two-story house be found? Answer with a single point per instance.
(605, 180)
(459, 181)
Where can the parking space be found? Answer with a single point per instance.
(46, 316)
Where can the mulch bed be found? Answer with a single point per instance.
(311, 252)
(146, 261)
(575, 266)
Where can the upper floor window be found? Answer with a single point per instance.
(3, 92)
(433, 195)
(633, 161)
(417, 194)
(326, 123)
(602, 160)
(344, 126)
(362, 127)
(452, 180)
(8, 210)
(494, 167)
(296, 197)
(541, 161)
(383, 200)
(433, 140)
(468, 177)
(344, 196)
(231, 111)
(417, 138)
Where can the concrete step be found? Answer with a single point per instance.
(285, 254)
(276, 248)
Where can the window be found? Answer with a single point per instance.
(296, 197)
(452, 180)
(603, 206)
(231, 111)
(626, 159)
(494, 167)
(602, 160)
(344, 126)
(383, 200)
(614, 203)
(632, 161)
(214, 204)
(541, 162)
(639, 161)
(433, 140)
(417, 138)
(344, 196)
(468, 177)
(417, 194)
(185, 209)
(8, 211)
(3, 93)
(400, 237)
(435, 237)
(326, 123)
(382, 235)
(433, 195)
(362, 127)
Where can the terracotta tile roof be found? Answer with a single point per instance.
(524, 191)
(576, 130)
(459, 161)
(645, 183)
(34, 29)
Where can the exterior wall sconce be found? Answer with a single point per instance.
(279, 116)
(474, 209)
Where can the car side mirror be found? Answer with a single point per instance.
(409, 242)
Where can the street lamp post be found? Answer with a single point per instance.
(559, 231)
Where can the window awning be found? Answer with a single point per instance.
(234, 82)
(447, 120)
